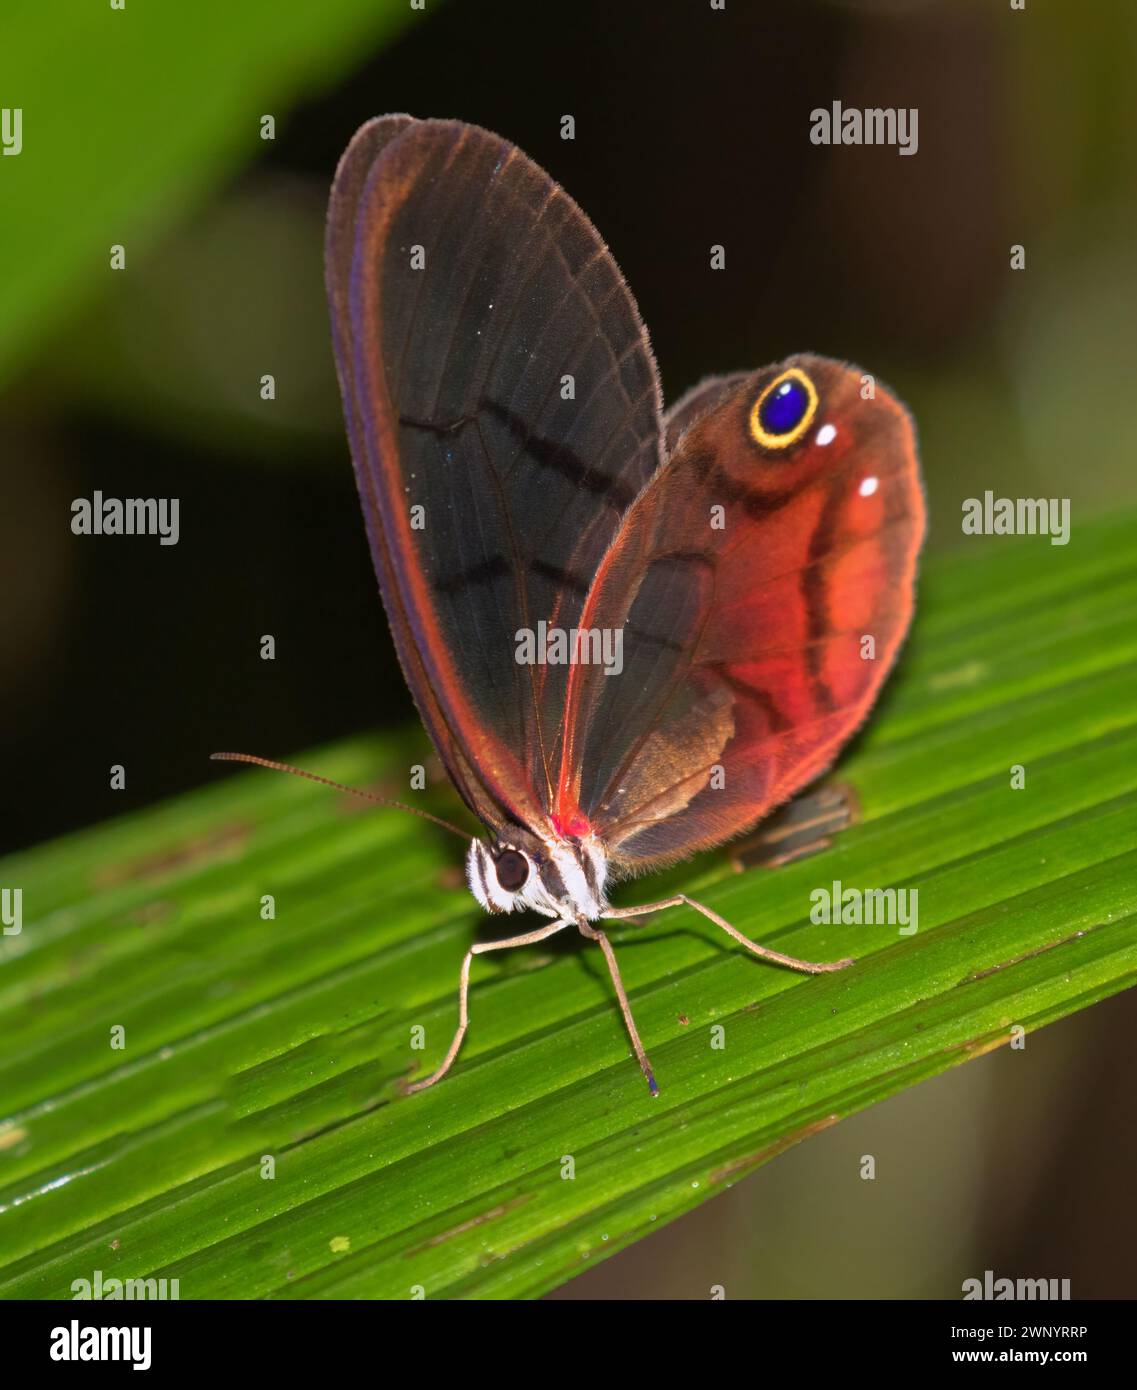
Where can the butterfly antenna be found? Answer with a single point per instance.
(337, 786)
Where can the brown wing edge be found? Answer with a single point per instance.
(352, 176)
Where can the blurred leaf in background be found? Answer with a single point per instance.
(97, 85)
(238, 291)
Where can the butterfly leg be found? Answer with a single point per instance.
(626, 1009)
(804, 827)
(809, 967)
(526, 939)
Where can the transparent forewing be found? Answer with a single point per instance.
(503, 410)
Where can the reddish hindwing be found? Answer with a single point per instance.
(763, 593)
(696, 402)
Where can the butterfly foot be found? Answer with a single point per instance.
(406, 1086)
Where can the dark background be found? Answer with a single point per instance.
(691, 129)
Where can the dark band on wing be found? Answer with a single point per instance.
(498, 567)
(547, 452)
(432, 427)
(559, 457)
(668, 644)
(484, 572)
(722, 486)
(774, 716)
(565, 579)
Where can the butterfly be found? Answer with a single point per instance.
(630, 634)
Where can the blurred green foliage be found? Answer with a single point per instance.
(132, 117)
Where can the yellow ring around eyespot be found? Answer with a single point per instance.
(783, 441)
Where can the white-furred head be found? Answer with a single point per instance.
(558, 878)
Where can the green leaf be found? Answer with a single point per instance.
(131, 116)
(246, 1037)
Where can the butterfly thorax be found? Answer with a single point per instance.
(557, 876)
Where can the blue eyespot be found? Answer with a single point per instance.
(784, 407)
(784, 410)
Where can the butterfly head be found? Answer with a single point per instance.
(556, 877)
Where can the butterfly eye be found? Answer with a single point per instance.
(784, 410)
(512, 870)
